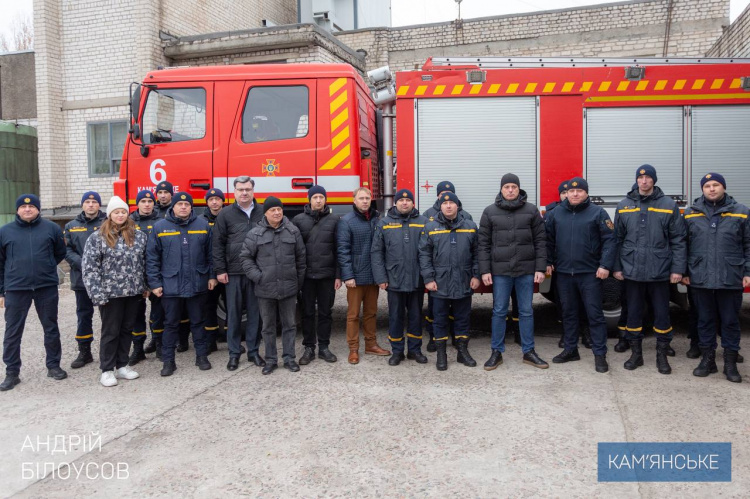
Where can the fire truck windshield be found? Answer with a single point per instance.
(275, 113)
(174, 115)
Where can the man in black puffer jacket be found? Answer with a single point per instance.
(512, 253)
(273, 257)
(651, 252)
(318, 227)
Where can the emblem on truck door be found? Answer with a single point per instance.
(270, 168)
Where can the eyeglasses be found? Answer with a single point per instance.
(243, 190)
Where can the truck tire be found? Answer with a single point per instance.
(611, 306)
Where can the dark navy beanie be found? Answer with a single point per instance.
(646, 170)
(578, 183)
(272, 202)
(182, 196)
(316, 189)
(31, 199)
(144, 194)
(562, 187)
(404, 194)
(445, 185)
(714, 176)
(91, 195)
(215, 192)
(449, 196)
(165, 186)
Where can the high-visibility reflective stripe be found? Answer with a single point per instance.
(84, 337)
(391, 227)
(139, 334)
(633, 329)
(441, 339)
(78, 229)
(340, 137)
(466, 230)
(628, 210)
(161, 234)
(659, 210)
(336, 85)
(210, 328)
(339, 101)
(416, 225)
(414, 336)
(337, 159)
(428, 319)
(197, 232)
(438, 232)
(662, 331)
(462, 337)
(693, 215)
(395, 339)
(737, 215)
(339, 119)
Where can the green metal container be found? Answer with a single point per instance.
(19, 169)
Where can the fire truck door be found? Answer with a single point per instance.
(274, 139)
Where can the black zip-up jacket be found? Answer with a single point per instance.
(650, 237)
(512, 240)
(718, 243)
(210, 217)
(274, 259)
(580, 238)
(145, 222)
(230, 230)
(76, 233)
(448, 255)
(318, 230)
(395, 250)
(29, 254)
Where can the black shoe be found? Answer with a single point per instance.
(670, 351)
(168, 368)
(57, 373)
(708, 363)
(600, 363)
(137, 355)
(396, 359)
(694, 351)
(740, 358)
(183, 346)
(212, 347)
(159, 346)
(463, 356)
(418, 356)
(151, 345)
(233, 364)
(203, 363)
(442, 355)
(636, 357)
(84, 356)
(495, 360)
(431, 347)
(325, 354)
(242, 349)
(532, 359)
(11, 380)
(622, 344)
(561, 342)
(292, 366)
(566, 356)
(269, 368)
(730, 366)
(307, 357)
(256, 359)
(662, 364)
(586, 338)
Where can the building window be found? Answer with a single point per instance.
(106, 142)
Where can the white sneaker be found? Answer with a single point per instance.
(126, 373)
(108, 379)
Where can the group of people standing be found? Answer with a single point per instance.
(263, 263)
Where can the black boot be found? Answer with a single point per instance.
(158, 346)
(730, 366)
(138, 354)
(396, 359)
(561, 341)
(168, 368)
(600, 363)
(670, 351)
(662, 364)
(442, 355)
(418, 356)
(636, 357)
(708, 363)
(203, 363)
(151, 345)
(464, 357)
(184, 343)
(694, 352)
(11, 380)
(586, 338)
(84, 356)
(431, 347)
(622, 345)
(325, 354)
(307, 356)
(212, 346)
(495, 360)
(566, 356)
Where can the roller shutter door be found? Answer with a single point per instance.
(473, 143)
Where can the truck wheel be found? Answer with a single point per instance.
(221, 315)
(611, 306)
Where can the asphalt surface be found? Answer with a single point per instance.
(365, 430)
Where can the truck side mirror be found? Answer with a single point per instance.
(135, 100)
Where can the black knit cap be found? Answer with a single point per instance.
(510, 178)
(272, 202)
(578, 183)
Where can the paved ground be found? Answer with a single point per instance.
(365, 430)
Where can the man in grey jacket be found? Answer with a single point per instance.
(273, 257)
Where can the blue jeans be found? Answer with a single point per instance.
(502, 286)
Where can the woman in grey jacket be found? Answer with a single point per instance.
(114, 275)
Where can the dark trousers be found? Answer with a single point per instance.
(692, 318)
(118, 316)
(17, 305)
(85, 313)
(212, 320)
(156, 317)
(658, 294)
(241, 296)
(461, 311)
(321, 292)
(139, 322)
(724, 303)
(430, 318)
(576, 291)
(286, 308)
(173, 309)
(405, 305)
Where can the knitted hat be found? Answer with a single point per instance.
(510, 178)
(165, 186)
(404, 194)
(215, 192)
(91, 195)
(562, 187)
(449, 196)
(272, 202)
(714, 176)
(31, 199)
(445, 185)
(646, 170)
(116, 202)
(182, 196)
(144, 194)
(578, 183)
(316, 189)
